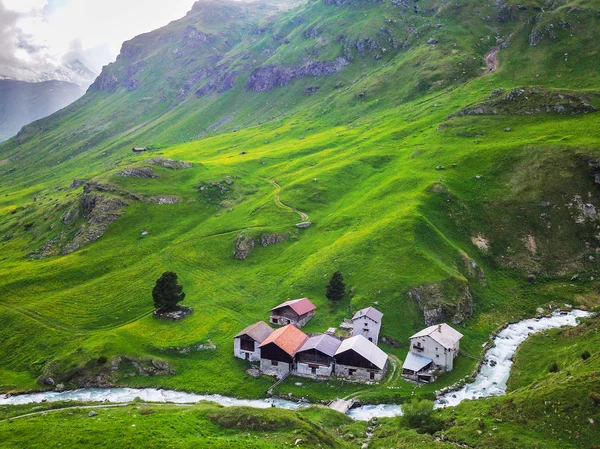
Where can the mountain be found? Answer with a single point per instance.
(22, 102)
(445, 153)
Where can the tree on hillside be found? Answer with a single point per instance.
(167, 292)
(336, 289)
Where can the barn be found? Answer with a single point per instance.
(315, 357)
(296, 311)
(277, 351)
(246, 343)
(359, 359)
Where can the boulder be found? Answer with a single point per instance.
(92, 414)
(304, 225)
(169, 163)
(140, 172)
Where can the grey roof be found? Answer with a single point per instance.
(257, 331)
(366, 349)
(442, 333)
(370, 312)
(323, 343)
(415, 362)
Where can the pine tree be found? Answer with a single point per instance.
(167, 292)
(336, 289)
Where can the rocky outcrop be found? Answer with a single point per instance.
(245, 244)
(219, 84)
(99, 210)
(164, 199)
(169, 163)
(140, 172)
(266, 78)
(106, 82)
(442, 302)
(532, 101)
(102, 373)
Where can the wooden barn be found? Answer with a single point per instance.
(315, 357)
(359, 359)
(296, 311)
(246, 343)
(277, 351)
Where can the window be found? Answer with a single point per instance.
(274, 320)
(247, 345)
(436, 348)
(370, 339)
(313, 370)
(437, 356)
(351, 372)
(274, 363)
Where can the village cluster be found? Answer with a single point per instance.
(287, 350)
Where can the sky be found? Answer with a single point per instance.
(38, 36)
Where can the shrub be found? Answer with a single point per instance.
(418, 415)
(146, 411)
(585, 355)
(553, 367)
(101, 360)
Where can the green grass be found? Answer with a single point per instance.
(363, 167)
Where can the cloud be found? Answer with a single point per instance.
(40, 36)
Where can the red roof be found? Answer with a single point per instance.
(300, 306)
(289, 338)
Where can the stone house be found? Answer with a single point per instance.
(278, 350)
(359, 359)
(139, 149)
(367, 322)
(438, 344)
(315, 357)
(246, 343)
(296, 311)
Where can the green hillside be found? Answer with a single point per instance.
(441, 190)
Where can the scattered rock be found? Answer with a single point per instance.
(507, 130)
(92, 414)
(304, 224)
(77, 183)
(432, 41)
(165, 199)
(481, 242)
(177, 314)
(141, 172)
(169, 163)
(244, 244)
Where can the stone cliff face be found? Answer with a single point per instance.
(245, 244)
(441, 302)
(264, 79)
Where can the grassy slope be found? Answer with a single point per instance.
(382, 214)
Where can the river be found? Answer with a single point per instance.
(491, 380)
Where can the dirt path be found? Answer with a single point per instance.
(303, 216)
(395, 364)
(491, 59)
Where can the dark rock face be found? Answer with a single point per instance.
(532, 101)
(106, 82)
(244, 244)
(141, 172)
(219, 83)
(437, 306)
(264, 79)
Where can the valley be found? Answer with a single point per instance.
(445, 153)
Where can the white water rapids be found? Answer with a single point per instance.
(491, 380)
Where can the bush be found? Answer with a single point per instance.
(585, 355)
(418, 415)
(553, 367)
(101, 360)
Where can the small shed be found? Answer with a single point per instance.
(359, 359)
(417, 367)
(139, 149)
(246, 343)
(367, 322)
(315, 357)
(296, 311)
(277, 351)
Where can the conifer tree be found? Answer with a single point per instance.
(167, 292)
(336, 289)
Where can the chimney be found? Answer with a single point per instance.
(439, 328)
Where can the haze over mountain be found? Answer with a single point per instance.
(445, 153)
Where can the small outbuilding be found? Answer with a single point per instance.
(367, 322)
(439, 343)
(359, 359)
(418, 368)
(296, 311)
(246, 343)
(277, 351)
(315, 357)
(139, 149)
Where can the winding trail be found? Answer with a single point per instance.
(303, 216)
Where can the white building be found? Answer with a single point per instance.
(359, 359)
(437, 345)
(246, 343)
(367, 322)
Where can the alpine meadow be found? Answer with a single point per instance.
(442, 155)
